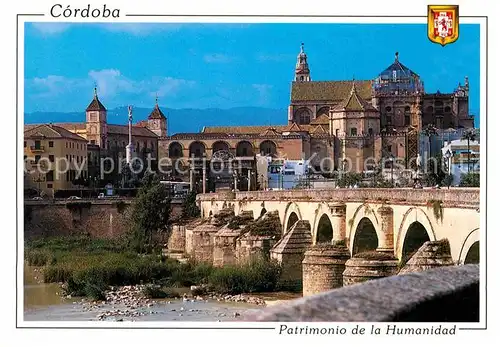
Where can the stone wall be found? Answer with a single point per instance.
(289, 252)
(248, 247)
(100, 221)
(177, 241)
(202, 242)
(225, 247)
(94, 218)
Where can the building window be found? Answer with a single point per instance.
(50, 177)
(51, 144)
(244, 152)
(51, 158)
(49, 185)
(37, 159)
(447, 109)
(37, 144)
(388, 120)
(389, 148)
(407, 119)
(354, 131)
(337, 132)
(24, 144)
(388, 109)
(370, 131)
(92, 142)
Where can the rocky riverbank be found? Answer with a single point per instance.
(130, 302)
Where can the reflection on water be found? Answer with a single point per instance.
(37, 293)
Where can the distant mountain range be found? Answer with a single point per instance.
(179, 120)
(185, 120)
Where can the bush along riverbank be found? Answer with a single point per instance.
(104, 270)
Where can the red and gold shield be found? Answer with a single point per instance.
(442, 23)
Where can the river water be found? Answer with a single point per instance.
(42, 303)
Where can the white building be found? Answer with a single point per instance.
(458, 161)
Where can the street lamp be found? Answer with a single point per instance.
(448, 156)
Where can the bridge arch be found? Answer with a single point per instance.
(415, 237)
(365, 237)
(470, 248)
(414, 214)
(324, 231)
(322, 209)
(288, 219)
(363, 211)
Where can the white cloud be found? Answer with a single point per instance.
(275, 57)
(141, 28)
(51, 85)
(50, 28)
(138, 29)
(217, 58)
(167, 86)
(111, 84)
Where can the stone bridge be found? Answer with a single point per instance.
(389, 220)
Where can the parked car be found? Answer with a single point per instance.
(37, 198)
(74, 198)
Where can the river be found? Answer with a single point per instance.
(42, 302)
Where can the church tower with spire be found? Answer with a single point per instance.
(157, 122)
(96, 122)
(302, 73)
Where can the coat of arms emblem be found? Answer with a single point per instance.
(442, 23)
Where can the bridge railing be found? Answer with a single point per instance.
(446, 294)
(458, 196)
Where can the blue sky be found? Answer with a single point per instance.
(225, 65)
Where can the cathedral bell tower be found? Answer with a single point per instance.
(302, 73)
(96, 123)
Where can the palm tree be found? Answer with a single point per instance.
(469, 135)
(430, 130)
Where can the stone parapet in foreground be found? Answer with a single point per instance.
(446, 294)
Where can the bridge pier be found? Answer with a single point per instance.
(322, 268)
(338, 211)
(386, 236)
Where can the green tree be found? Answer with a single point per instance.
(469, 135)
(349, 179)
(150, 216)
(470, 179)
(447, 180)
(189, 207)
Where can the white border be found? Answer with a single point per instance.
(470, 8)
